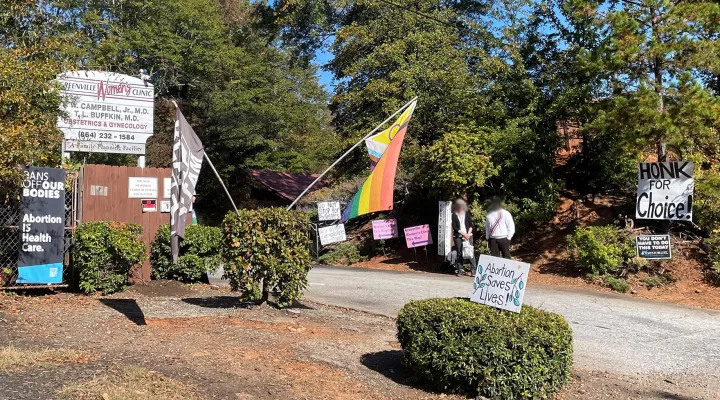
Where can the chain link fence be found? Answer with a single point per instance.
(10, 236)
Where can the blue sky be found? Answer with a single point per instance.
(322, 56)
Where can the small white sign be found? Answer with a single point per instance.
(148, 205)
(332, 234)
(94, 146)
(167, 185)
(140, 187)
(328, 210)
(500, 283)
(164, 206)
(445, 238)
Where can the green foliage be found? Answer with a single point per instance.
(600, 249)
(33, 50)
(706, 204)
(344, 254)
(105, 252)
(617, 284)
(199, 253)
(712, 268)
(459, 162)
(464, 347)
(656, 281)
(266, 250)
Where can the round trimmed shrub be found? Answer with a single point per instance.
(463, 347)
(199, 253)
(267, 251)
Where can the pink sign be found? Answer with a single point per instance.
(384, 229)
(417, 236)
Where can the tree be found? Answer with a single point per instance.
(33, 49)
(653, 52)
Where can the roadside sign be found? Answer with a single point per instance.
(653, 247)
(332, 234)
(384, 229)
(328, 210)
(500, 283)
(141, 187)
(444, 228)
(417, 236)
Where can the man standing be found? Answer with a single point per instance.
(499, 229)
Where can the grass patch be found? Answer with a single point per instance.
(129, 383)
(656, 281)
(13, 359)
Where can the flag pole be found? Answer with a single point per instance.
(350, 150)
(215, 171)
(221, 181)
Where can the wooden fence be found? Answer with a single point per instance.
(105, 197)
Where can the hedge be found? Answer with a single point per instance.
(105, 252)
(267, 250)
(600, 249)
(463, 347)
(199, 253)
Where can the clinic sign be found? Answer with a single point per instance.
(42, 226)
(106, 112)
(665, 191)
(500, 283)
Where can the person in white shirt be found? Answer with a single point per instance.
(499, 229)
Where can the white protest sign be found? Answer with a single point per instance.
(444, 228)
(500, 283)
(106, 107)
(328, 210)
(665, 191)
(332, 234)
(140, 187)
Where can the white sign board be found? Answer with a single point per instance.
(500, 283)
(93, 146)
(444, 228)
(332, 234)
(167, 185)
(105, 107)
(165, 206)
(665, 191)
(328, 210)
(142, 188)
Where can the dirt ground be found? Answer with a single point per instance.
(168, 340)
(546, 250)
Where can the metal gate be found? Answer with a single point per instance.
(10, 236)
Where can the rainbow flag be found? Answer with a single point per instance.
(376, 194)
(377, 144)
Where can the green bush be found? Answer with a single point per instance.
(343, 254)
(463, 347)
(600, 249)
(266, 251)
(105, 252)
(199, 253)
(712, 269)
(616, 284)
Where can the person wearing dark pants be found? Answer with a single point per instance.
(462, 233)
(499, 229)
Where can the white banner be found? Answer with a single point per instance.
(500, 283)
(332, 234)
(106, 107)
(665, 191)
(445, 238)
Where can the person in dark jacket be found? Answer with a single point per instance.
(462, 226)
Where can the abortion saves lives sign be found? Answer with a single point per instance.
(500, 283)
(42, 226)
(665, 191)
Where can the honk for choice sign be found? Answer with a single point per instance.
(500, 283)
(42, 226)
(665, 191)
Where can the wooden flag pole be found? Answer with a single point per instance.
(350, 150)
